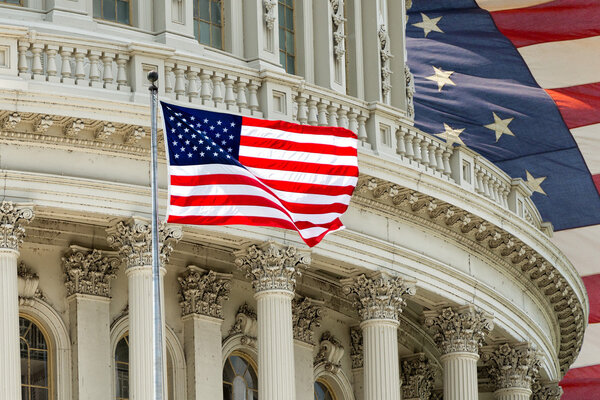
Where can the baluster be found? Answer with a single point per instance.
(107, 71)
(486, 184)
(505, 194)
(65, 69)
(94, 57)
(253, 95)
(217, 94)
(439, 160)
(205, 87)
(23, 66)
(478, 179)
(332, 120)
(192, 79)
(79, 69)
(169, 79)
(446, 156)
(312, 112)
(432, 160)
(495, 190)
(362, 128)
(425, 152)
(302, 111)
(352, 121)
(241, 85)
(122, 60)
(322, 118)
(229, 95)
(179, 81)
(408, 140)
(400, 145)
(36, 62)
(343, 117)
(51, 68)
(417, 148)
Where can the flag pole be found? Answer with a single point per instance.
(156, 301)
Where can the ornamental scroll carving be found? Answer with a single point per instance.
(203, 292)
(271, 266)
(547, 391)
(28, 282)
(386, 56)
(270, 9)
(89, 271)
(460, 330)
(306, 316)
(337, 17)
(418, 376)
(245, 325)
(356, 347)
(12, 218)
(379, 296)
(133, 239)
(513, 366)
(330, 353)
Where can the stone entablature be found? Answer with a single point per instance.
(12, 218)
(89, 271)
(203, 292)
(306, 316)
(418, 376)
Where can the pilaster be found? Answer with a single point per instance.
(418, 375)
(306, 316)
(261, 34)
(513, 368)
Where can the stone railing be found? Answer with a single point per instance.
(118, 71)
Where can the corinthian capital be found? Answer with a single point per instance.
(271, 266)
(12, 218)
(89, 271)
(418, 375)
(459, 330)
(306, 316)
(513, 366)
(133, 239)
(547, 391)
(379, 296)
(203, 292)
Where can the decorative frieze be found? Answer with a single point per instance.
(330, 353)
(306, 316)
(245, 324)
(10, 121)
(105, 131)
(28, 282)
(270, 10)
(42, 124)
(385, 55)
(133, 239)
(203, 292)
(134, 135)
(418, 376)
(512, 366)
(379, 296)
(271, 266)
(356, 347)
(546, 391)
(74, 127)
(89, 271)
(12, 218)
(339, 37)
(460, 330)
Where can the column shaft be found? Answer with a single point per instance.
(513, 394)
(381, 364)
(275, 345)
(460, 376)
(10, 364)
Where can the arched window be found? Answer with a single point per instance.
(208, 22)
(122, 368)
(35, 374)
(323, 391)
(239, 378)
(113, 10)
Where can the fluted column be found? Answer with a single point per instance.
(512, 369)
(87, 279)
(380, 299)
(306, 316)
(133, 239)
(459, 334)
(201, 298)
(12, 217)
(274, 270)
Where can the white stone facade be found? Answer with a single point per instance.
(445, 282)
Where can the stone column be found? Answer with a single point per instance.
(133, 239)
(306, 316)
(87, 279)
(379, 300)
(546, 391)
(274, 270)
(459, 334)
(512, 369)
(201, 298)
(12, 217)
(418, 376)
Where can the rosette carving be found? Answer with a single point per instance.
(356, 347)
(272, 266)
(379, 296)
(89, 271)
(12, 218)
(203, 292)
(306, 316)
(459, 330)
(418, 376)
(330, 353)
(513, 366)
(133, 239)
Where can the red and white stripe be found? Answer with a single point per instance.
(295, 177)
(560, 42)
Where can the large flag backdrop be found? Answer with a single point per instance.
(519, 81)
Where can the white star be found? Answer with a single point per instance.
(193, 136)
(195, 148)
(192, 118)
(225, 130)
(500, 126)
(223, 142)
(176, 155)
(218, 135)
(229, 149)
(183, 149)
(189, 155)
(186, 130)
(187, 142)
(232, 124)
(218, 122)
(228, 156)
(180, 136)
(198, 124)
(231, 137)
(207, 147)
(215, 154)
(172, 130)
(220, 150)
(441, 77)
(429, 24)
(171, 118)
(205, 121)
(174, 143)
(179, 124)
(450, 135)
(535, 183)
(184, 120)
(201, 154)
(200, 141)
(213, 143)
(212, 128)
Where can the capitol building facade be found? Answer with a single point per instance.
(444, 284)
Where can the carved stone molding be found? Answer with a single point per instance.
(339, 37)
(12, 218)
(418, 376)
(458, 330)
(74, 127)
(385, 55)
(270, 10)
(42, 124)
(356, 349)
(271, 266)
(104, 131)
(133, 239)
(330, 353)
(512, 366)
(245, 324)
(89, 271)
(306, 316)
(379, 296)
(28, 282)
(134, 135)
(546, 391)
(10, 121)
(203, 292)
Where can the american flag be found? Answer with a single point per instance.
(522, 78)
(226, 169)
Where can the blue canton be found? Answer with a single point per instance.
(197, 137)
